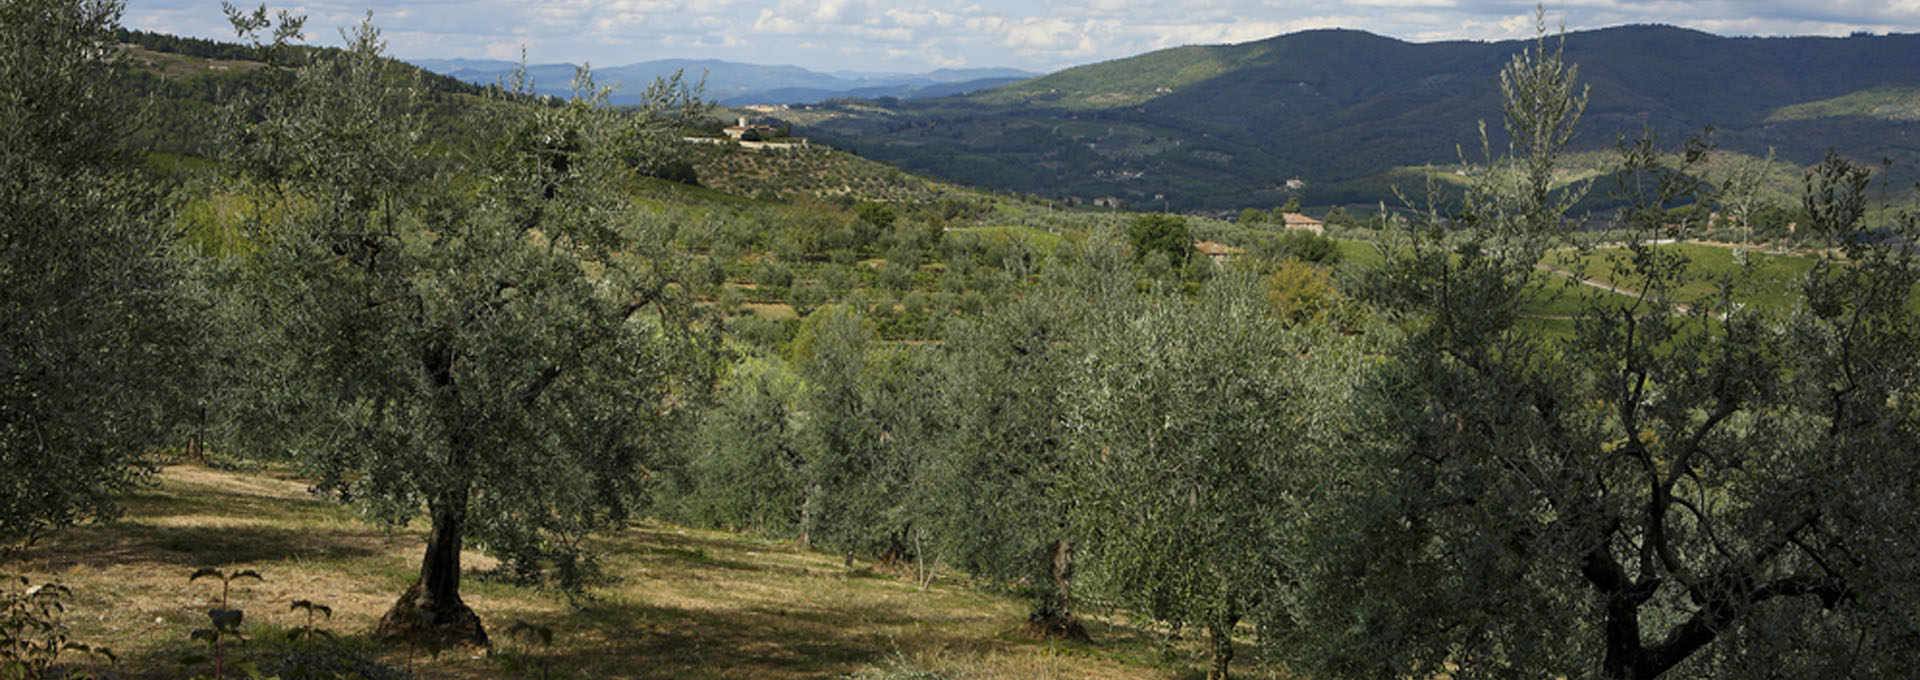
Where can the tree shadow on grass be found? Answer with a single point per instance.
(269, 648)
(628, 640)
(161, 503)
(195, 546)
(675, 548)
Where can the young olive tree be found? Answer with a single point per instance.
(1682, 488)
(867, 415)
(1193, 422)
(94, 329)
(502, 345)
(1001, 499)
(748, 469)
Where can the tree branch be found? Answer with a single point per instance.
(1714, 617)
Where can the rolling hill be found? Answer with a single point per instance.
(736, 84)
(1222, 127)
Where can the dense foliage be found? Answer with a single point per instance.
(94, 327)
(1193, 426)
(507, 351)
(1672, 491)
(1433, 455)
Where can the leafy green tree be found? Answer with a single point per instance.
(1000, 509)
(651, 144)
(1193, 423)
(273, 47)
(505, 350)
(879, 216)
(1835, 198)
(1300, 293)
(750, 468)
(867, 416)
(1697, 490)
(94, 327)
(1160, 233)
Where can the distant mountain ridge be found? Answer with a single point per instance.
(1224, 126)
(736, 83)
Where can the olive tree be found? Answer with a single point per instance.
(1680, 488)
(748, 469)
(999, 506)
(94, 331)
(867, 413)
(501, 345)
(1161, 233)
(1193, 422)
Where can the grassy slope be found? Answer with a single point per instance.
(1126, 82)
(1770, 282)
(170, 65)
(680, 603)
(1890, 103)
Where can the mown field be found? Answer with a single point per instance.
(673, 602)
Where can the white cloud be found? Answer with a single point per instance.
(900, 35)
(1041, 34)
(509, 51)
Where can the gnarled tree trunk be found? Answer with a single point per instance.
(1052, 617)
(430, 611)
(1222, 638)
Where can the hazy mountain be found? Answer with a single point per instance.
(918, 90)
(1223, 126)
(736, 83)
(448, 66)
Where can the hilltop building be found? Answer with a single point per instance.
(750, 133)
(1303, 223)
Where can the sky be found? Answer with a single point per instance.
(921, 35)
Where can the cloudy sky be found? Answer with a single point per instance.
(918, 35)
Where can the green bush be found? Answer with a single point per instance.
(1155, 233)
(1309, 247)
(896, 277)
(773, 275)
(764, 333)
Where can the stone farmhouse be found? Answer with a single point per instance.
(750, 133)
(1303, 223)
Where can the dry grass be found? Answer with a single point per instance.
(773, 310)
(679, 603)
(170, 65)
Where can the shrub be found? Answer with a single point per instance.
(774, 275)
(763, 333)
(1299, 293)
(32, 632)
(676, 170)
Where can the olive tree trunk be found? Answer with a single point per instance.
(431, 611)
(1052, 616)
(1222, 639)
